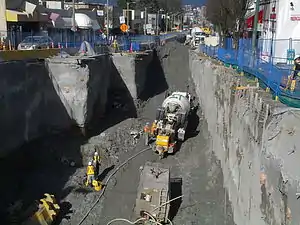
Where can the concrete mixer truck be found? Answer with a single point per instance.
(195, 37)
(171, 123)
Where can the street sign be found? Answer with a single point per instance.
(124, 27)
(122, 19)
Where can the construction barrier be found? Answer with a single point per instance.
(28, 54)
(275, 74)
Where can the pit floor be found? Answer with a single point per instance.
(204, 202)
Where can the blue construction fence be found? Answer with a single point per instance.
(65, 38)
(272, 62)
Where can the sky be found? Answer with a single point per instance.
(193, 2)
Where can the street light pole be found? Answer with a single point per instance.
(145, 31)
(166, 21)
(127, 10)
(107, 18)
(73, 16)
(254, 31)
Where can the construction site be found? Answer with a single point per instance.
(226, 170)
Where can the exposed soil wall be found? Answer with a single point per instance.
(256, 140)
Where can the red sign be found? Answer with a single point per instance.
(250, 20)
(273, 16)
(295, 18)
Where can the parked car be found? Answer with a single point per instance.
(35, 42)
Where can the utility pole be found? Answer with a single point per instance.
(157, 16)
(166, 21)
(145, 30)
(107, 19)
(254, 34)
(127, 12)
(73, 16)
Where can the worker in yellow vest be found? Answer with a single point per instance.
(96, 162)
(154, 128)
(90, 172)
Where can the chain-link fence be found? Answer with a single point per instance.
(272, 61)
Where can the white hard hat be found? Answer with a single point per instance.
(155, 121)
(96, 153)
(297, 56)
(90, 163)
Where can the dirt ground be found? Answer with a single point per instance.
(197, 173)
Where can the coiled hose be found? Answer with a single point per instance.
(107, 181)
(152, 219)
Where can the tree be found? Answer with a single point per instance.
(228, 16)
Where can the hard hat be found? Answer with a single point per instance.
(155, 121)
(90, 163)
(96, 153)
(296, 57)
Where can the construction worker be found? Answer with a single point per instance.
(90, 172)
(295, 76)
(154, 128)
(96, 161)
(147, 133)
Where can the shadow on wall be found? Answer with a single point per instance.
(119, 105)
(155, 81)
(31, 105)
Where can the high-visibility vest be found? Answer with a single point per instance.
(153, 128)
(146, 129)
(96, 158)
(90, 170)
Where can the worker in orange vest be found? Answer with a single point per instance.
(90, 172)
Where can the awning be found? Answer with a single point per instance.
(17, 16)
(63, 23)
(85, 22)
(250, 19)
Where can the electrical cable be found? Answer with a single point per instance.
(108, 179)
(148, 214)
(168, 202)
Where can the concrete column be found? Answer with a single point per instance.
(3, 23)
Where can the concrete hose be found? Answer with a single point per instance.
(152, 219)
(108, 179)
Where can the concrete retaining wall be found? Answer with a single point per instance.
(256, 140)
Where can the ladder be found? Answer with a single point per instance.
(162, 211)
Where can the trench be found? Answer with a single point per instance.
(43, 165)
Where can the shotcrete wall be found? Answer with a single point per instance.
(41, 97)
(256, 140)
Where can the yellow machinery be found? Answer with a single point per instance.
(46, 212)
(206, 30)
(171, 123)
(162, 144)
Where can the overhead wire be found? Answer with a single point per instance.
(108, 179)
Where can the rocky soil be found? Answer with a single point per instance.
(57, 165)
